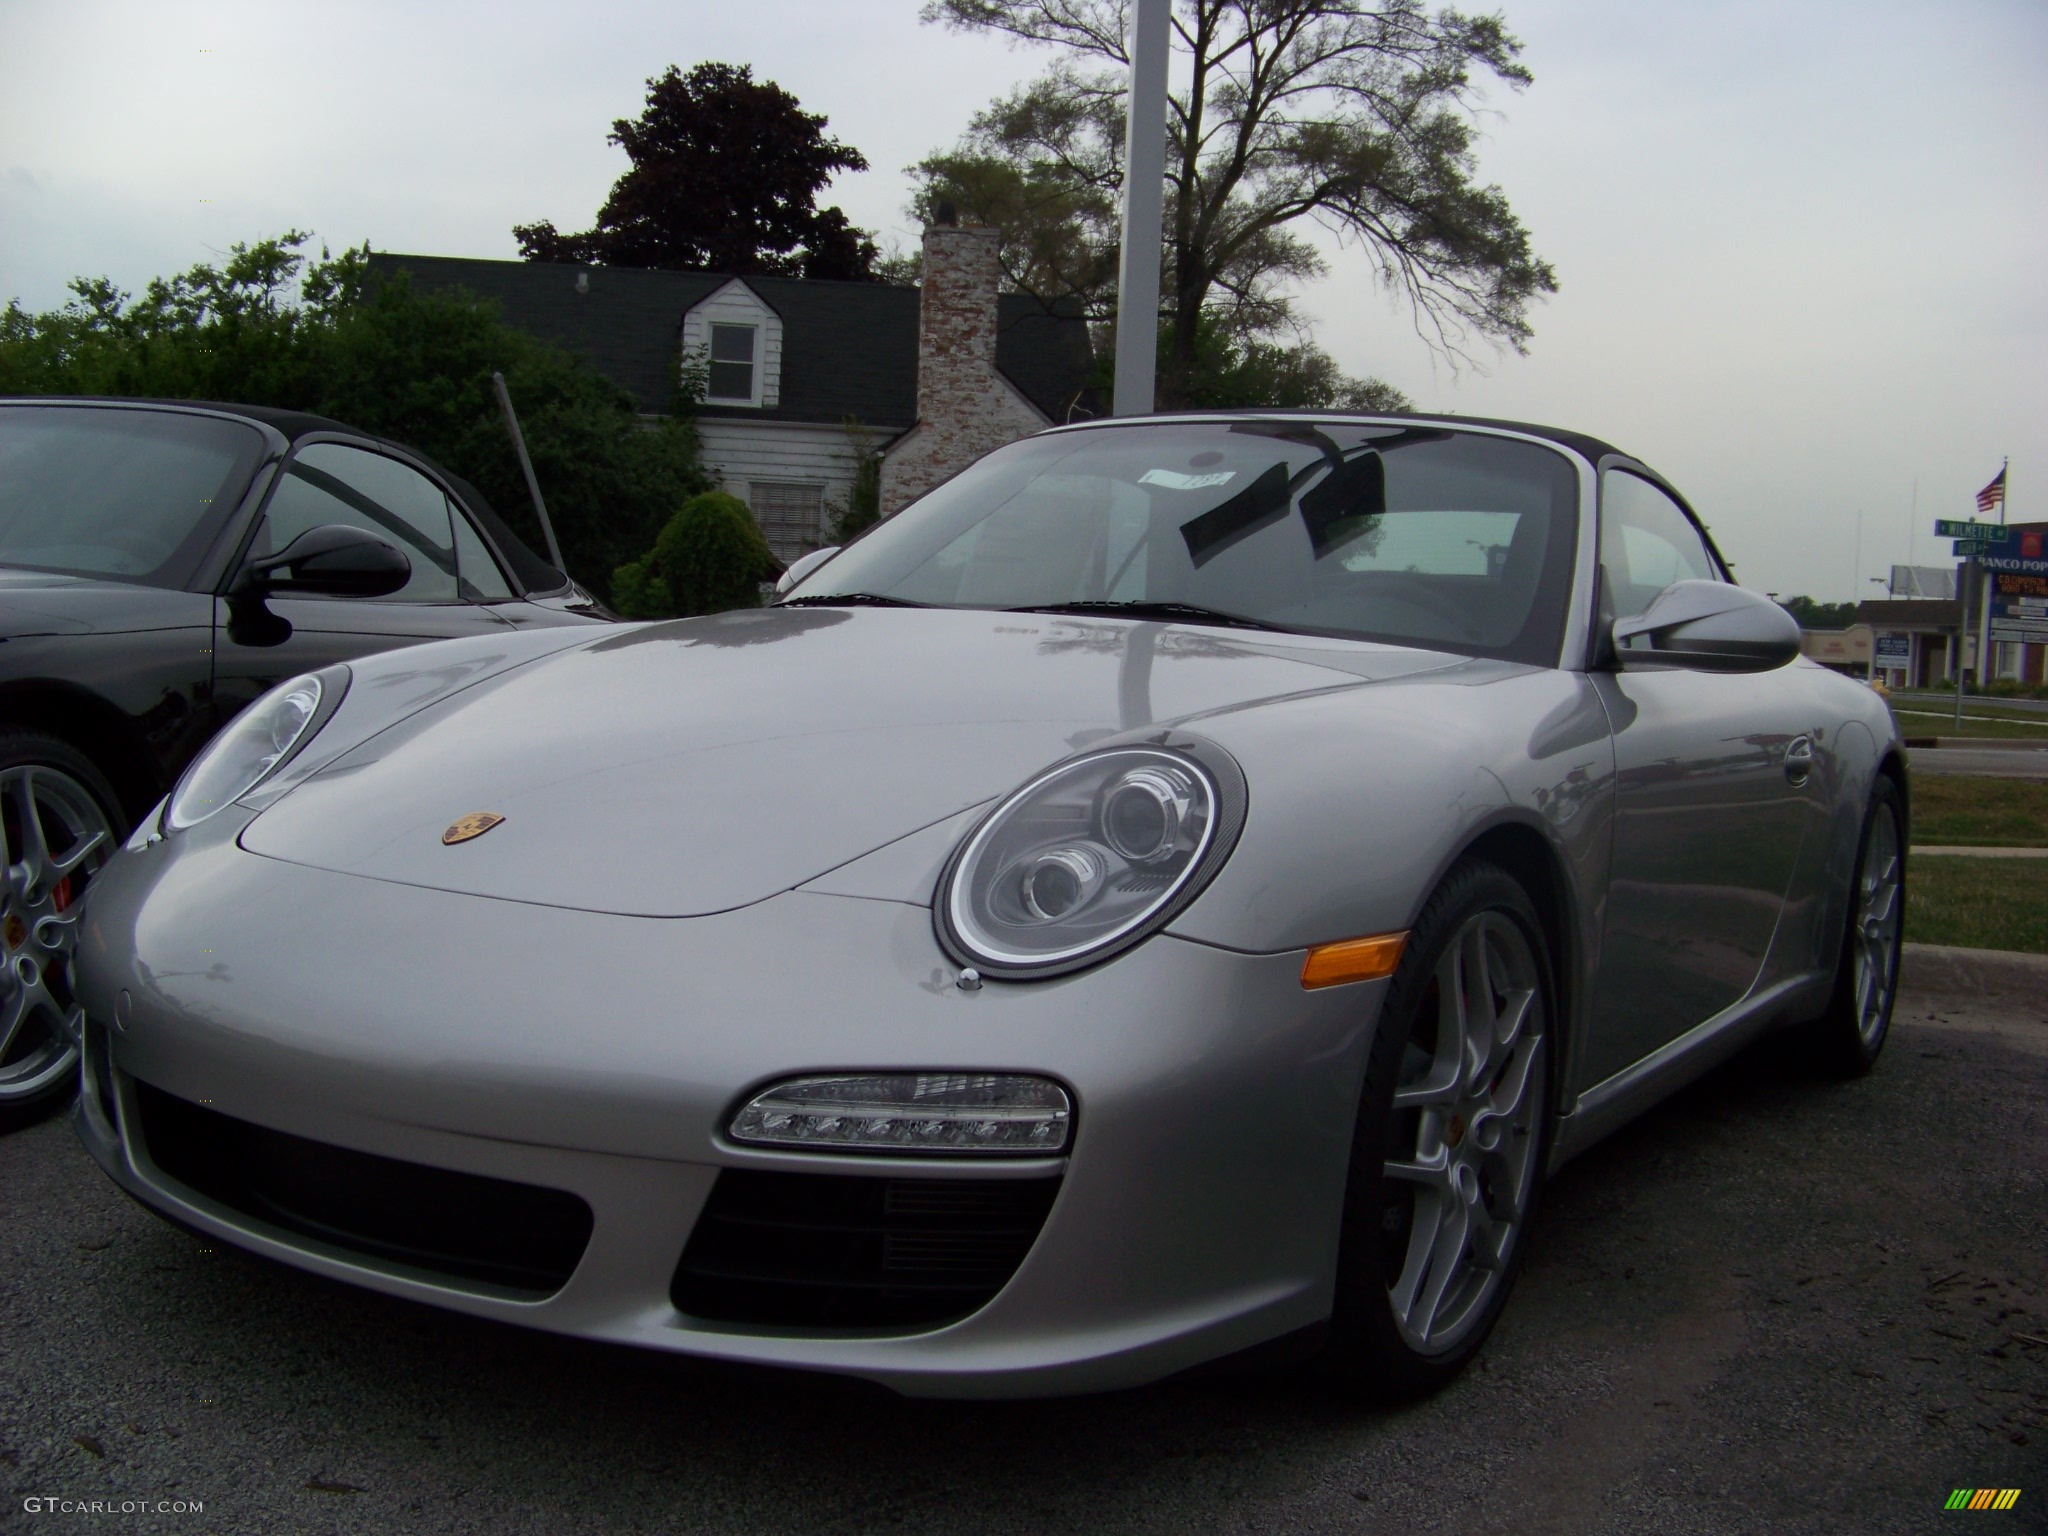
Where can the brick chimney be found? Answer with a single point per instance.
(964, 407)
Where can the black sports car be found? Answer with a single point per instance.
(161, 565)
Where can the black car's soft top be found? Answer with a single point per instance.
(534, 575)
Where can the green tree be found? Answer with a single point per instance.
(1811, 614)
(265, 328)
(708, 558)
(1352, 114)
(725, 177)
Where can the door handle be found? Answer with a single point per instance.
(1799, 758)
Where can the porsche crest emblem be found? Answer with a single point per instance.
(475, 824)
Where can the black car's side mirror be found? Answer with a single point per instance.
(1709, 626)
(334, 560)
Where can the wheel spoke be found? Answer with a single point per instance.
(78, 853)
(12, 1014)
(1439, 1085)
(35, 850)
(1505, 1104)
(1432, 1171)
(1422, 1233)
(1489, 1238)
(1446, 1264)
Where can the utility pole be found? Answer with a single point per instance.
(1137, 286)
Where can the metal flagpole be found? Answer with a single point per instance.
(1991, 585)
(1137, 288)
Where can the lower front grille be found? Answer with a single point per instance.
(831, 1251)
(515, 1237)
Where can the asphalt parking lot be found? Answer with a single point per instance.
(1779, 1304)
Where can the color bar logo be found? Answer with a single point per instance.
(1983, 1498)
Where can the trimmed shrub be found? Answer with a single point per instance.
(708, 558)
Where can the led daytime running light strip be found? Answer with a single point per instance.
(835, 1113)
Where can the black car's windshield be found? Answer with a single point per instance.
(1415, 534)
(134, 494)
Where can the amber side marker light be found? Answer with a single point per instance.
(1331, 965)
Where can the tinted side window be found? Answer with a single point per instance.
(481, 580)
(1646, 543)
(114, 492)
(333, 483)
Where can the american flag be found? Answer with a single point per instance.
(1993, 495)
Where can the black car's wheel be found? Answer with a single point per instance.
(1447, 1158)
(1848, 1038)
(59, 823)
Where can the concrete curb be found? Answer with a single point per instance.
(1988, 973)
(1973, 743)
(1971, 851)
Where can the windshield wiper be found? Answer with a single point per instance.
(1139, 608)
(849, 600)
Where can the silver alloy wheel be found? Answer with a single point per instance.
(1472, 1088)
(53, 837)
(1875, 934)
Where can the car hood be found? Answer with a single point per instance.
(691, 767)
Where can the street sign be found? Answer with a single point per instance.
(1951, 528)
(2014, 566)
(1970, 549)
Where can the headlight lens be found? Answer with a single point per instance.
(261, 737)
(1089, 858)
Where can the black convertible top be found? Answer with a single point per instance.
(534, 575)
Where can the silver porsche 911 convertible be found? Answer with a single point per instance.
(1177, 887)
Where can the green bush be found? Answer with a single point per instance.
(265, 328)
(710, 557)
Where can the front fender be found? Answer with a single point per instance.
(1361, 801)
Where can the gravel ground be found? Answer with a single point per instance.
(1780, 1305)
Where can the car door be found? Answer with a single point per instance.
(1712, 794)
(453, 583)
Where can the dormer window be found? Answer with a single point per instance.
(731, 371)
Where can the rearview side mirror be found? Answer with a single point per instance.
(801, 567)
(1708, 626)
(333, 560)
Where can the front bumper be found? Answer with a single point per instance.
(603, 1055)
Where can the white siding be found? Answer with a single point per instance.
(736, 304)
(739, 452)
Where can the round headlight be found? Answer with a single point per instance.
(1089, 858)
(240, 757)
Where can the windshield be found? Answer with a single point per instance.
(1417, 535)
(132, 494)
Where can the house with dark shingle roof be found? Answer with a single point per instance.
(802, 377)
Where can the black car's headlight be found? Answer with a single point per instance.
(261, 739)
(1089, 858)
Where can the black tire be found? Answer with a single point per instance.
(1370, 1351)
(38, 1065)
(1847, 1039)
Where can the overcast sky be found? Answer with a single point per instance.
(1802, 248)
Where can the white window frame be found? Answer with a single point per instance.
(756, 368)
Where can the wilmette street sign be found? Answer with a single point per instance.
(1986, 533)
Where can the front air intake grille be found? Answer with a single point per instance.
(829, 1251)
(514, 1237)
